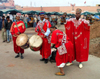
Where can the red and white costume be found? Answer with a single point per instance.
(41, 29)
(79, 33)
(57, 38)
(20, 27)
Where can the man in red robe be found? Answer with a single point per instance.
(43, 31)
(78, 30)
(65, 49)
(17, 28)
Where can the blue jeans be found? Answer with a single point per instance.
(34, 24)
(9, 36)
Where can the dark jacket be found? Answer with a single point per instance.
(1, 23)
(8, 25)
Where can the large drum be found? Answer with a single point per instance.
(35, 43)
(22, 41)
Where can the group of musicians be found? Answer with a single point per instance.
(71, 45)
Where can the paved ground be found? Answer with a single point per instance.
(31, 68)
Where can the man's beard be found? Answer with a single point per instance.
(42, 18)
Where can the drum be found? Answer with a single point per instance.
(35, 43)
(22, 41)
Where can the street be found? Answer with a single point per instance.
(31, 68)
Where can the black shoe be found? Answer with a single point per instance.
(42, 59)
(8, 41)
(4, 41)
(17, 56)
(22, 57)
(46, 61)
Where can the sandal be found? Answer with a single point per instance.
(59, 74)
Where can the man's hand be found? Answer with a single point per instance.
(18, 32)
(15, 35)
(45, 36)
(52, 45)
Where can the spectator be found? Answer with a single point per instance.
(35, 21)
(3, 29)
(59, 21)
(25, 21)
(8, 24)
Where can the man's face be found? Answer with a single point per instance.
(7, 19)
(42, 17)
(52, 29)
(46, 18)
(3, 18)
(78, 15)
(17, 18)
(64, 15)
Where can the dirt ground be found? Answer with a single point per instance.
(95, 39)
(31, 68)
(95, 30)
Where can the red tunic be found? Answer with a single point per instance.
(46, 46)
(14, 30)
(56, 39)
(79, 33)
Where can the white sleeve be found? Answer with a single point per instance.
(47, 32)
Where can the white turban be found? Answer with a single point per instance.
(18, 14)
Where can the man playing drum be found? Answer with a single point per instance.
(43, 31)
(65, 50)
(17, 28)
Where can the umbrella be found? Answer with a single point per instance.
(97, 13)
(29, 12)
(11, 11)
(87, 13)
(38, 12)
(48, 13)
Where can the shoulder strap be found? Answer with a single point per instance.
(64, 38)
(42, 30)
(17, 27)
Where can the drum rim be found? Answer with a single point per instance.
(31, 37)
(26, 39)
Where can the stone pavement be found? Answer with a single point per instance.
(31, 68)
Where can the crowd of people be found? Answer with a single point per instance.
(29, 21)
(5, 26)
(71, 45)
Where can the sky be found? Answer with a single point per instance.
(38, 3)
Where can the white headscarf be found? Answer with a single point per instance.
(18, 14)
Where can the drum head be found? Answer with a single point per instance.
(21, 39)
(35, 41)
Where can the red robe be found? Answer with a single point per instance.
(46, 46)
(56, 39)
(79, 33)
(14, 30)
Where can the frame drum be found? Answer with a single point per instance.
(35, 43)
(22, 41)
